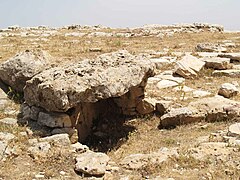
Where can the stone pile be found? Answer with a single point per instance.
(75, 95)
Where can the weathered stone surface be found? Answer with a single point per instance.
(209, 47)
(232, 56)
(69, 131)
(54, 119)
(218, 150)
(146, 106)
(234, 130)
(160, 62)
(129, 101)
(166, 84)
(200, 93)
(209, 109)
(57, 139)
(5, 138)
(22, 67)
(189, 66)
(137, 161)
(110, 75)
(9, 121)
(230, 73)
(180, 116)
(228, 90)
(40, 149)
(168, 75)
(217, 63)
(4, 100)
(163, 106)
(92, 163)
(217, 108)
(79, 148)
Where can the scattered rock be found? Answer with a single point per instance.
(137, 161)
(217, 63)
(218, 150)
(166, 84)
(216, 108)
(200, 93)
(163, 106)
(160, 62)
(209, 47)
(235, 73)
(6, 137)
(147, 106)
(57, 139)
(40, 149)
(234, 130)
(91, 163)
(232, 56)
(189, 66)
(228, 90)
(178, 116)
(95, 49)
(9, 121)
(79, 148)
(54, 120)
(22, 67)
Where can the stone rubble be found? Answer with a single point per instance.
(228, 90)
(189, 67)
(209, 47)
(137, 161)
(91, 163)
(217, 63)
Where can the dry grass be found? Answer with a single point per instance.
(68, 48)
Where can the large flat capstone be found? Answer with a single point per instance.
(109, 75)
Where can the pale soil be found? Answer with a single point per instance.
(139, 135)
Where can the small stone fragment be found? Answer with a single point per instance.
(228, 90)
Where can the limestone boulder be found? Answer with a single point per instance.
(137, 161)
(91, 163)
(40, 149)
(217, 63)
(57, 140)
(210, 109)
(8, 121)
(217, 108)
(146, 106)
(210, 47)
(234, 130)
(109, 75)
(22, 67)
(179, 116)
(228, 90)
(189, 67)
(163, 106)
(218, 150)
(232, 56)
(235, 73)
(54, 119)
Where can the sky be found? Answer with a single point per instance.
(118, 13)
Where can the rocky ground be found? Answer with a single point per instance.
(187, 125)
